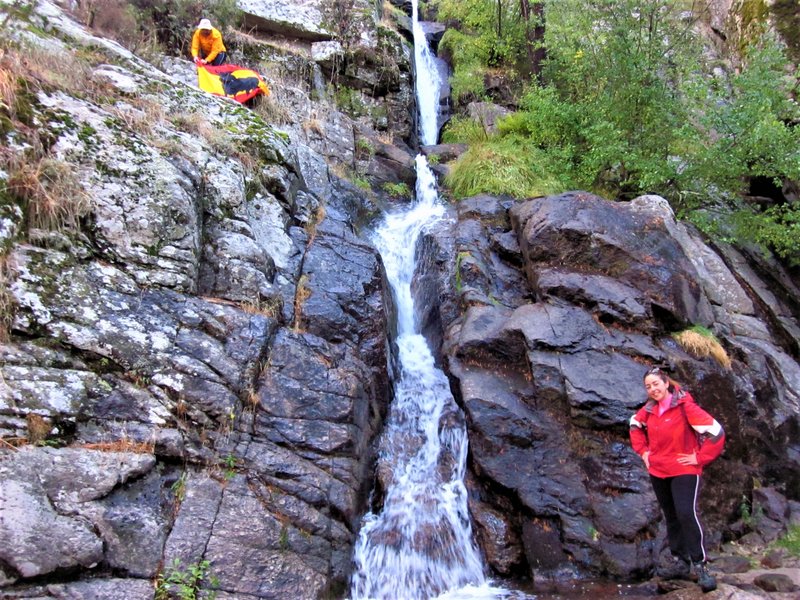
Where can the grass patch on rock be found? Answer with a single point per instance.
(501, 166)
(702, 343)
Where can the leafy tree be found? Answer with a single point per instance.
(627, 106)
(490, 34)
(748, 123)
(623, 62)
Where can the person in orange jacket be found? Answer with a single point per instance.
(207, 45)
(676, 439)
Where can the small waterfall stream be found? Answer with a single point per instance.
(419, 546)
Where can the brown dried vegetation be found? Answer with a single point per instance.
(123, 445)
(702, 346)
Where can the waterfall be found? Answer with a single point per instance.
(427, 82)
(419, 545)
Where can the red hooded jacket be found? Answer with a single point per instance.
(682, 429)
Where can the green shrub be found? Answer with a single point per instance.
(625, 106)
(490, 32)
(148, 26)
(364, 148)
(508, 165)
(349, 101)
(345, 19)
(791, 541)
(397, 190)
(745, 123)
(174, 21)
(185, 584)
(362, 183)
(467, 83)
(484, 35)
(777, 229)
(463, 130)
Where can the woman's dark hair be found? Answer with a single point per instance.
(672, 385)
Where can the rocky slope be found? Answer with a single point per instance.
(199, 357)
(200, 367)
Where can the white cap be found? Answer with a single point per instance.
(204, 24)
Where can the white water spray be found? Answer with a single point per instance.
(419, 546)
(427, 83)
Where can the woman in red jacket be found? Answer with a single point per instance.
(676, 439)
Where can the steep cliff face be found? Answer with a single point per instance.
(196, 354)
(737, 21)
(549, 312)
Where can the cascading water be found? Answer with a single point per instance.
(427, 83)
(419, 546)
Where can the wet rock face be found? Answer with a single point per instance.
(559, 305)
(203, 365)
(68, 504)
(614, 242)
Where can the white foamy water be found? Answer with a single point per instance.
(419, 545)
(427, 83)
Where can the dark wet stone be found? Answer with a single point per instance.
(732, 564)
(775, 582)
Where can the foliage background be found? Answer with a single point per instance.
(632, 99)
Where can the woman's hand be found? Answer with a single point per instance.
(646, 458)
(688, 459)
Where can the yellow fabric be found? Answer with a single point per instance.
(210, 45)
(210, 83)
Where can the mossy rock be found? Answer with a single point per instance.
(786, 15)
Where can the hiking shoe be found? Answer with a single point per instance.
(674, 567)
(705, 580)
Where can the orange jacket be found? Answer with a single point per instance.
(207, 46)
(682, 429)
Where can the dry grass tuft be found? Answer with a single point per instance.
(123, 445)
(272, 111)
(302, 294)
(181, 408)
(313, 126)
(7, 303)
(249, 162)
(269, 307)
(702, 343)
(8, 90)
(62, 71)
(13, 443)
(253, 400)
(52, 194)
(38, 428)
(340, 170)
(311, 226)
(195, 123)
(141, 116)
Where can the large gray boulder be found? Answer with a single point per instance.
(300, 18)
(559, 304)
(62, 519)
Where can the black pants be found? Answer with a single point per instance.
(677, 497)
(218, 59)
